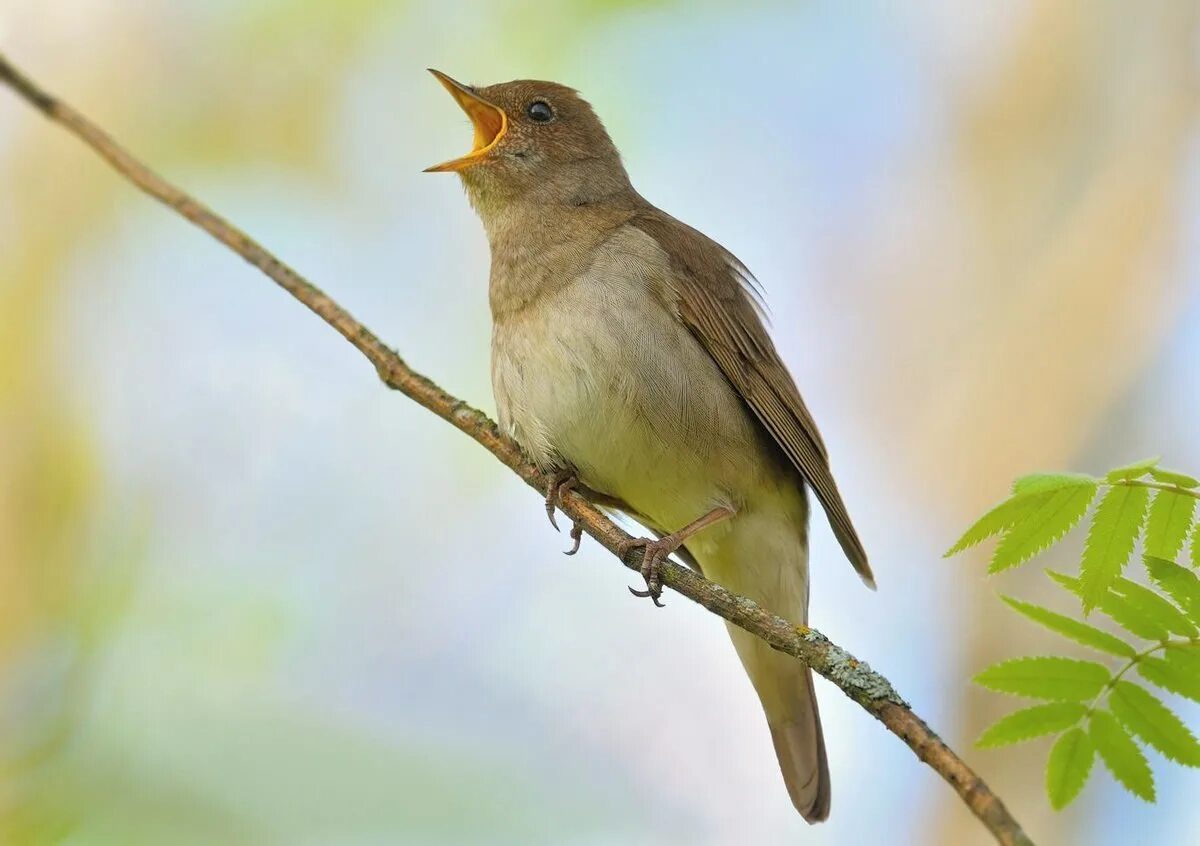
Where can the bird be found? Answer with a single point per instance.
(630, 360)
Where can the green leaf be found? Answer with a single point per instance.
(1069, 582)
(1131, 618)
(1168, 524)
(1070, 762)
(1196, 546)
(1132, 471)
(1120, 609)
(1186, 656)
(1061, 679)
(1144, 714)
(1032, 722)
(1074, 629)
(1115, 529)
(1180, 582)
(1153, 606)
(1035, 482)
(1171, 673)
(1043, 525)
(1179, 480)
(998, 519)
(1121, 755)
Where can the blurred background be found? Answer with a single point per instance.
(249, 596)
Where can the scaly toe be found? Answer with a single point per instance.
(559, 484)
(576, 539)
(629, 545)
(653, 556)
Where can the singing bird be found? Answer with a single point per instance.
(629, 356)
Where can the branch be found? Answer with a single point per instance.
(857, 680)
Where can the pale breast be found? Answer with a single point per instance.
(601, 376)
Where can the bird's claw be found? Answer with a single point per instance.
(559, 484)
(654, 553)
(576, 538)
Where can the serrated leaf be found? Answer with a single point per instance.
(1121, 755)
(1001, 517)
(1114, 531)
(1196, 546)
(1186, 656)
(1171, 673)
(1180, 582)
(1069, 582)
(1060, 679)
(1032, 722)
(1131, 618)
(1145, 715)
(1155, 607)
(1180, 480)
(1043, 525)
(1132, 471)
(1123, 612)
(1035, 482)
(1068, 767)
(1168, 524)
(1074, 629)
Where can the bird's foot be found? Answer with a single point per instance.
(654, 553)
(560, 483)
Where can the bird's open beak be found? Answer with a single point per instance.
(490, 124)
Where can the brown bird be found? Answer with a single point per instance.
(629, 355)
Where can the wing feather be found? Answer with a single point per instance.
(719, 308)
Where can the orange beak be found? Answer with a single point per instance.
(490, 124)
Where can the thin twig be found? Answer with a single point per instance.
(858, 681)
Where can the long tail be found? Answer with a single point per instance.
(767, 560)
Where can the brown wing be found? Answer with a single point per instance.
(716, 304)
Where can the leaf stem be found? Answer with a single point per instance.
(1161, 486)
(1131, 663)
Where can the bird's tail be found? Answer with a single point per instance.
(785, 687)
(770, 566)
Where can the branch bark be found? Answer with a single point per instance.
(855, 678)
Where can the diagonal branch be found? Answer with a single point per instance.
(857, 680)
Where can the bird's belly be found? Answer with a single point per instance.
(616, 389)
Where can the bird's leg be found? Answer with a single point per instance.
(561, 482)
(655, 552)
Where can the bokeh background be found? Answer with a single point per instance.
(249, 596)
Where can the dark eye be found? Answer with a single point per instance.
(539, 111)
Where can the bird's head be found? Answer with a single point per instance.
(534, 141)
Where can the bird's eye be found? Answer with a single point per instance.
(539, 111)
